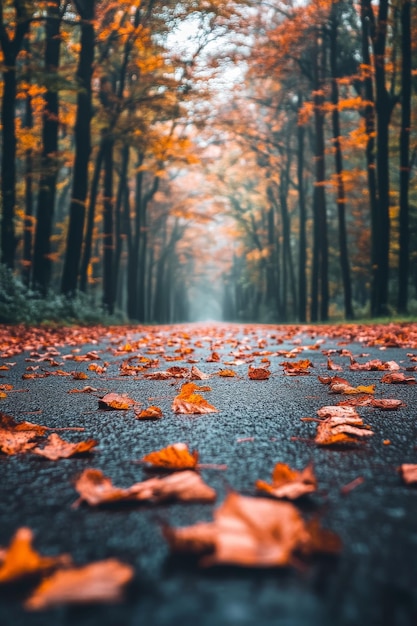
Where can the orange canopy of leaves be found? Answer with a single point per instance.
(289, 483)
(22, 561)
(249, 532)
(95, 489)
(174, 457)
(56, 448)
(102, 581)
(189, 402)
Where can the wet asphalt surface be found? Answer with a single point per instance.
(372, 582)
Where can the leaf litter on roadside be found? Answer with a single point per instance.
(289, 483)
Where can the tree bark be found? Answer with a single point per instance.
(86, 10)
(403, 267)
(302, 238)
(341, 199)
(42, 263)
(108, 234)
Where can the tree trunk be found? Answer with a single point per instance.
(28, 223)
(302, 239)
(320, 281)
(42, 263)
(10, 46)
(82, 148)
(119, 221)
(108, 235)
(341, 202)
(88, 244)
(369, 115)
(403, 268)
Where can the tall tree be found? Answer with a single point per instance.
(49, 161)
(82, 135)
(13, 29)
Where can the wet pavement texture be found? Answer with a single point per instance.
(372, 581)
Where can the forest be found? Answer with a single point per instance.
(244, 160)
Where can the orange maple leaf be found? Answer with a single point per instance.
(189, 402)
(22, 561)
(289, 483)
(174, 457)
(102, 581)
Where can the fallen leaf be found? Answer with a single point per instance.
(336, 429)
(102, 581)
(213, 358)
(174, 457)
(398, 378)
(197, 374)
(258, 373)
(289, 483)
(408, 473)
(115, 401)
(16, 438)
(387, 404)
(56, 448)
(249, 532)
(79, 375)
(297, 368)
(152, 412)
(227, 373)
(189, 402)
(333, 366)
(86, 389)
(21, 561)
(373, 366)
(352, 485)
(95, 489)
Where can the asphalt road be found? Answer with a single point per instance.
(372, 582)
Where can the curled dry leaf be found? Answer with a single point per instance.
(398, 378)
(16, 438)
(297, 368)
(174, 457)
(86, 389)
(408, 473)
(56, 448)
(95, 489)
(150, 413)
(249, 532)
(387, 404)
(197, 374)
(361, 400)
(189, 402)
(21, 561)
(342, 425)
(332, 380)
(348, 390)
(258, 373)
(115, 401)
(102, 581)
(213, 358)
(373, 366)
(289, 483)
(228, 373)
(333, 366)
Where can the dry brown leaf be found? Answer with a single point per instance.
(213, 358)
(289, 483)
(348, 390)
(174, 457)
(408, 472)
(332, 380)
(333, 366)
(342, 425)
(86, 389)
(150, 413)
(16, 438)
(373, 366)
(251, 532)
(197, 374)
(56, 448)
(102, 581)
(297, 368)
(387, 404)
(21, 561)
(258, 373)
(115, 401)
(95, 489)
(227, 373)
(398, 378)
(189, 402)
